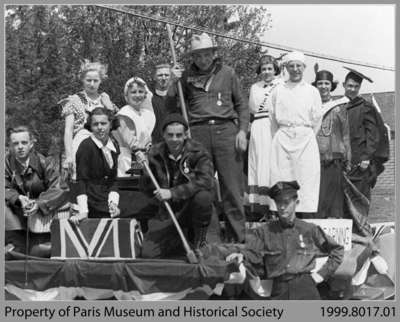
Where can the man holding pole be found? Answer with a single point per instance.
(218, 117)
(182, 180)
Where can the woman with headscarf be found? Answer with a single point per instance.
(77, 107)
(260, 134)
(136, 123)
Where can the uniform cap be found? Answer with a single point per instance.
(284, 189)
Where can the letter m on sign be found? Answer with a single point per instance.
(103, 238)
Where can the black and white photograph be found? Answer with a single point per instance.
(200, 152)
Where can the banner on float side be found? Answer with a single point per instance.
(96, 238)
(339, 229)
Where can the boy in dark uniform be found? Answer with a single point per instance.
(286, 249)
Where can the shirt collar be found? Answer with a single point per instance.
(175, 159)
(160, 92)
(302, 82)
(25, 164)
(32, 162)
(110, 145)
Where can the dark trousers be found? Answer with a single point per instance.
(162, 239)
(363, 179)
(300, 287)
(331, 195)
(219, 140)
(39, 244)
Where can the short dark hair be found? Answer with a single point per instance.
(100, 111)
(161, 64)
(354, 77)
(268, 59)
(20, 129)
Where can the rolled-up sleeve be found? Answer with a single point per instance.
(327, 245)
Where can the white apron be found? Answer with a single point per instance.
(295, 156)
(296, 116)
(144, 124)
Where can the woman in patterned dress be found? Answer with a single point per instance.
(76, 108)
(260, 134)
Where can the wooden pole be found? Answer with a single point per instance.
(189, 252)
(179, 85)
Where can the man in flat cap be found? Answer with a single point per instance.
(219, 117)
(285, 250)
(184, 171)
(334, 147)
(367, 138)
(162, 76)
(295, 121)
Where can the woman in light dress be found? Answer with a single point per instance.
(136, 123)
(260, 134)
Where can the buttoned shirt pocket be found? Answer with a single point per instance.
(274, 262)
(304, 256)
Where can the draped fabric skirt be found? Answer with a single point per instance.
(259, 161)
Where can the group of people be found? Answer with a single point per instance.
(301, 144)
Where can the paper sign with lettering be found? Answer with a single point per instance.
(339, 229)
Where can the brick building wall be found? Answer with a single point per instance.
(386, 180)
(383, 197)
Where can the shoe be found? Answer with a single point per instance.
(200, 237)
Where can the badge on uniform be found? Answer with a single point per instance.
(302, 244)
(185, 168)
(219, 102)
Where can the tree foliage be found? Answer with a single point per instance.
(45, 46)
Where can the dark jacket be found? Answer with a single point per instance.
(160, 112)
(94, 177)
(40, 181)
(334, 136)
(292, 250)
(272, 251)
(364, 132)
(196, 170)
(223, 99)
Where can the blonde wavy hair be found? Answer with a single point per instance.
(88, 66)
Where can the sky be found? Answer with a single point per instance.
(362, 32)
